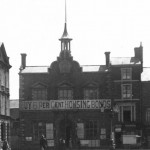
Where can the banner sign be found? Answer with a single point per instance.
(65, 104)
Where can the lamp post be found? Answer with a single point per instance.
(114, 110)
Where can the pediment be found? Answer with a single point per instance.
(65, 84)
(91, 85)
(39, 85)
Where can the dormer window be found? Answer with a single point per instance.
(126, 73)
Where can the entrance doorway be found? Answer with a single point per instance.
(66, 132)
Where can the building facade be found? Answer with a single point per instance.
(4, 95)
(146, 106)
(14, 127)
(81, 106)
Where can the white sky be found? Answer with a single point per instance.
(34, 27)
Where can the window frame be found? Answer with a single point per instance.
(67, 93)
(39, 93)
(41, 129)
(87, 92)
(127, 92)
(90, 131)
(126, 73)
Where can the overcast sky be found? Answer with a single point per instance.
(34, 27)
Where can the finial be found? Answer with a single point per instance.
(140, 44)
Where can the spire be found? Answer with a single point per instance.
(65, 34)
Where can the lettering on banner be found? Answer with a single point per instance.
(66, 104)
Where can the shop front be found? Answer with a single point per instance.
(66, 128)
(128, 136)
(4, 129)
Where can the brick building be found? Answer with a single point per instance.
(4, 95)
(146, 106)
(86, 106)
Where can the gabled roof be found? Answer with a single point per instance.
(124, 61)
(145, 76)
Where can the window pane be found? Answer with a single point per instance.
(65, 94)
(126, 73)
(126, 91)
(39, 94)
(91, 129)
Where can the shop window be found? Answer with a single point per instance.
(65, 94)
(126, 91)
(148, 115)
(126, 73)
(40, 128)
(90, 93)
(80, 130)
(127, 113)
(91, 129)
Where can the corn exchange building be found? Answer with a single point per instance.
(81, 106)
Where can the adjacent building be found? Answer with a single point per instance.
(81, 106)
(4, 95)
(146, 106)
(15, 122)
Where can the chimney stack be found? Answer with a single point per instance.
(107, 55)
(23, 61)
(138, 51)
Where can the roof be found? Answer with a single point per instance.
(145, 74)
(90, 68)
(124, 61)
(35, 69)
(14, 103)
(44, 69)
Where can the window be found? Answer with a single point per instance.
(126, 73)
(91, 129)
(39, 94)
(127, 113)
(126, 91)
(90, 93)
(148, 115)
(40, 128)
(39, 91)
(65, 94)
